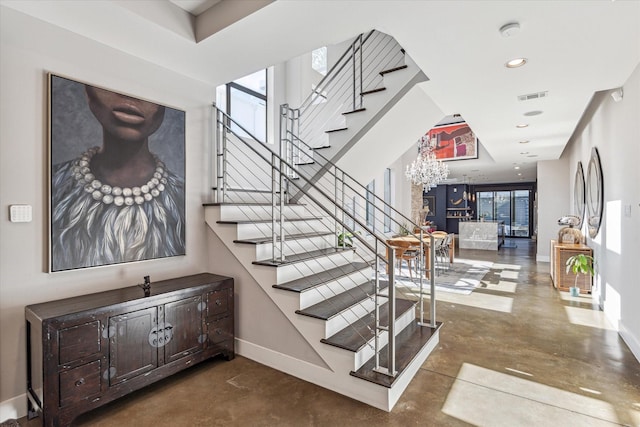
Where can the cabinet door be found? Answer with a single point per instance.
(131, 348)
(182, 328)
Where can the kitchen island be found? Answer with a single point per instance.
(486, 235)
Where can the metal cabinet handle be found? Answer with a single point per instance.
(79, 382)
(218, 302)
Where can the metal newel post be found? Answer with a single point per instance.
(432, 261)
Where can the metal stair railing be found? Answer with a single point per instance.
(279, 184)
(341, 90)
(386, 219)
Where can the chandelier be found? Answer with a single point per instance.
(426, 170)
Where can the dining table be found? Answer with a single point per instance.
(412, 242)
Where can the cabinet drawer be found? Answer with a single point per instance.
(220, 330)
(79, 383)
(79, 341)
(218, 302)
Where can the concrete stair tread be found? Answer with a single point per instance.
(356, 335)
(314, 280)
(330, 307)
(259, 240)
(255, 221)
(305, 256)
(409, 342)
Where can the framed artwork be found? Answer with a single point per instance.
(116, 177)
(429, 205)
(453, 142)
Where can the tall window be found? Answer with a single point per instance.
(371, 189)
(246, 103)
(319, 60)
(387, 200)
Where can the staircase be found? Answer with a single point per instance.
(280, 217)
(373, 74)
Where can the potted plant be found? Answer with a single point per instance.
(579, 264)
(345, 239)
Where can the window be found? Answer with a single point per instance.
(511, 206)
(319, 60)
(371, 188)
(387, 200)
(246, 103)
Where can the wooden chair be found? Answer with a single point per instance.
(404, 251)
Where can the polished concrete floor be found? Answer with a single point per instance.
(515, 352)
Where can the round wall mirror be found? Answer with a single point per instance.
(595, 194)
(578, 194)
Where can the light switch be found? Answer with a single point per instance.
(20, 213)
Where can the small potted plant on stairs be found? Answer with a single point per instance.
(579, 264)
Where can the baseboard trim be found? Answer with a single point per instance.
(15, 407)
(369, 393)
(543, 258)
(631, 341)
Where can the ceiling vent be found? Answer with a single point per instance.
(530, 96)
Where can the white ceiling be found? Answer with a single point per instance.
(574, 49)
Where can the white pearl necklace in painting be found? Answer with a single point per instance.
(117, 195)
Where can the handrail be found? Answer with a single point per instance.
(338, 169)
(276, 165)
(313, 185)
(330, 74)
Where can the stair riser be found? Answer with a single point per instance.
(351, 315)
(244, 213)
(264, 250)
(289, 272)
(327, 290)
(331, 288)
(255, 230)
(367, 352)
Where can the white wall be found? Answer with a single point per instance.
(554, 192)
(614, 129)
(29, 48)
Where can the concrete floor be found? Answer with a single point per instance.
(515, 352)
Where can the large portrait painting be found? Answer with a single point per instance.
(453, 142)
(117, 169)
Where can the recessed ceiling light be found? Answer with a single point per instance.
(516, 167)
(526, 141)
(532, 155)
(533, 113)
(516, 62)
(524, 152)
(522, 125)
(519, 173)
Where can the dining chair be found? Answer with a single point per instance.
(443, 251)
(404, 251)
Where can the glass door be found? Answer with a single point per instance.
(510, 206)
(520, 213)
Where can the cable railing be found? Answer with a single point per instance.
(342, 89)
(249, 171)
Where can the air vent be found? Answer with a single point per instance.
(530, 96)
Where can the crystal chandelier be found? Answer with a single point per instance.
(426, 170)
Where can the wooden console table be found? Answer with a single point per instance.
(89, 350)
(560, 253)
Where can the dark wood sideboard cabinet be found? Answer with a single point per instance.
(88, 350)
